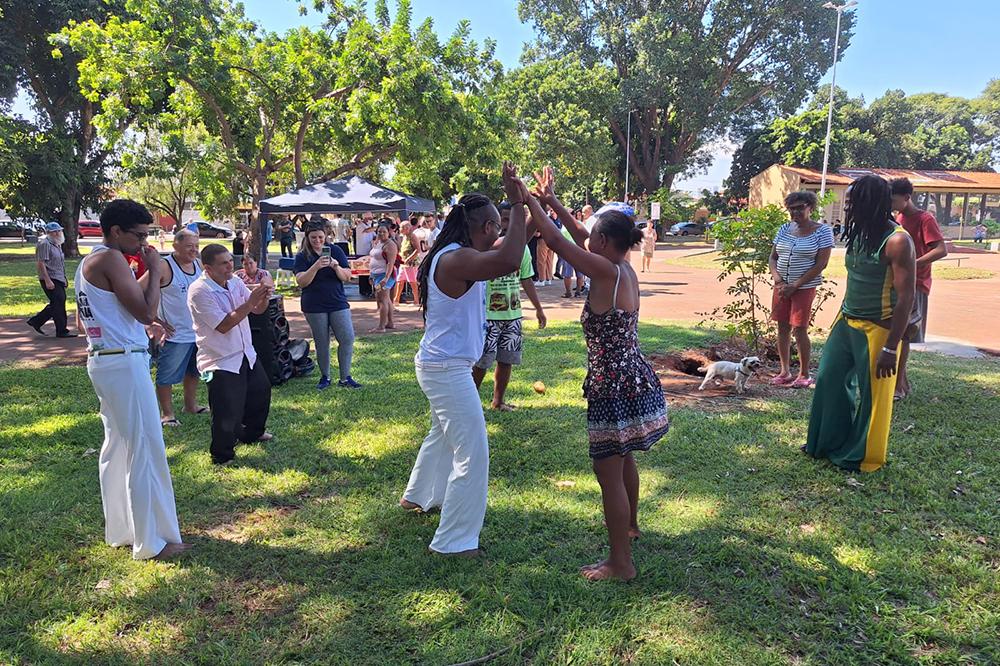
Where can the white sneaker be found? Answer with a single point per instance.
(539, 284)
(548, 283)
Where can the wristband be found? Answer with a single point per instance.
(889, 351)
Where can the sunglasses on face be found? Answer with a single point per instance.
(140, 235)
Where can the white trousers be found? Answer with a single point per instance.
(453, 465)
(135, 480)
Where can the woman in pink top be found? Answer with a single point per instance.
(252, 274)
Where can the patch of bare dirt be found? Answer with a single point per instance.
(681, 373)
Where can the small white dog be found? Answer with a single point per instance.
(740, 372)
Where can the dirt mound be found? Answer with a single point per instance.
(681, 376)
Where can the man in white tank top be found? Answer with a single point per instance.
(112, 309)
(452, 467)
(174, 328)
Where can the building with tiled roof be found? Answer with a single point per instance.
(957, 198)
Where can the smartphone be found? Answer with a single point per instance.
(326, 250)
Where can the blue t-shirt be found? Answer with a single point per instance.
(326, 292)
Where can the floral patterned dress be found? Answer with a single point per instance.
(626, 410)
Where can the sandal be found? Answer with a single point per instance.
(802, 383)
(170, 423)
(782, 380)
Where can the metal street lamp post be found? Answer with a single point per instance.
(628, 150)
(840, 9)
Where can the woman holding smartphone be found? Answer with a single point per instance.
(321, 269)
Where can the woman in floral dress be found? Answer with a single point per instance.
(626, 411)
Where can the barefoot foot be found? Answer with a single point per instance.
(607, 571)
(410, 506)
(504, 407)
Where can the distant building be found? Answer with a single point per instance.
(957, 198)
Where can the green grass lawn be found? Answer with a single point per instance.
(751, 553)
(836, 269)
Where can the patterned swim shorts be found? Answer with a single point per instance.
(504, 342)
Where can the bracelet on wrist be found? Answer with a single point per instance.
(889, 351)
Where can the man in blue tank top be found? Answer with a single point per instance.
(175, 329)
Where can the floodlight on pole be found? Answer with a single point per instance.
(840, 9)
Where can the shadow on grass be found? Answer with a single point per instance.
(751, 553)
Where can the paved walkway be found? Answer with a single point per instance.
(963, 312)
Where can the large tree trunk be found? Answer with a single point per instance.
(69, 217)
(254, 240)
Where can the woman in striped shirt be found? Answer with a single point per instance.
(801, 251)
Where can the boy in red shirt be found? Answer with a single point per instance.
(929, 244)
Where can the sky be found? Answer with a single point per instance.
(913, 45)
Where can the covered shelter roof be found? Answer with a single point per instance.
(924, 180)
(346, 195)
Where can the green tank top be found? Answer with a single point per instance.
(870, 294)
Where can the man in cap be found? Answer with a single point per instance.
(51, 266)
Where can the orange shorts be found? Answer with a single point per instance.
(796, 310)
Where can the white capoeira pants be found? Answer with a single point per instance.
(138, 497)
(452, 467)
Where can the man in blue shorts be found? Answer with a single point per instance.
(176, 361)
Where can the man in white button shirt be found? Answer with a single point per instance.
(239, 391)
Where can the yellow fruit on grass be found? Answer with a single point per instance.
(539, 387)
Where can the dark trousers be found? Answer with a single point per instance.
(286, 246)
(240, 404)
(55, 310)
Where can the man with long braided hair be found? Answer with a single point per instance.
(852, 404)
(452, 467)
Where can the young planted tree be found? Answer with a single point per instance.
(746, 243)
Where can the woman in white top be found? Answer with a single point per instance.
(452, 467)
(801, 251)
(382, 273)
(648, 245)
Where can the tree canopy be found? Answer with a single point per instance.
(895, 131)
(292, 109)
(62, 160)
(689, 70)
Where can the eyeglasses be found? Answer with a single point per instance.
(140, 235)
(796, 209)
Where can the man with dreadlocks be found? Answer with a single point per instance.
(452, 467)
(852, 404)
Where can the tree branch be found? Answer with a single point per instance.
(361, 160)
(226, 129)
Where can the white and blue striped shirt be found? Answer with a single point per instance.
(797, 254)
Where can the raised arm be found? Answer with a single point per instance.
(142, 301)
(471, 266)
(588, 263)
